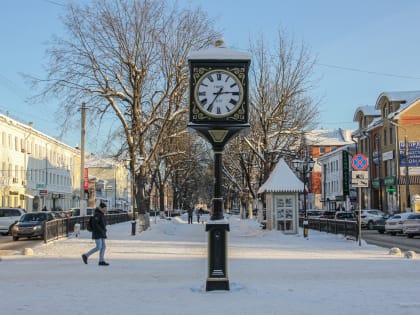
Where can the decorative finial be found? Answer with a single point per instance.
(220, 43)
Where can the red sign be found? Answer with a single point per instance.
(86, 180)
(43, 192)
(359, 162)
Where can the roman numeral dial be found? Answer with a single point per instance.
(218, 93)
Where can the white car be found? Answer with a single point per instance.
(8, 217)
(395, 223)
(411, 226)
(369, 216)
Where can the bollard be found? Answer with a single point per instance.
(305, 228)
(77, 229)
(133, 227)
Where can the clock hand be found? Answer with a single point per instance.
(226, 92)
(209, 108)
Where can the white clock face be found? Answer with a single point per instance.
(218, 93)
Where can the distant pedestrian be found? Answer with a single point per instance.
(190, 216)
(198, 211)
(45, 208)
(98, 234)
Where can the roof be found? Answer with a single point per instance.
(407, 98)
(282, 179)
(220, 52)
(366, 110)
(93, 161)
(324, 137)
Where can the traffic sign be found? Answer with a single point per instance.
(359, 183)
(359, 162)
(360, 175)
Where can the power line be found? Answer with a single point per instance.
(55, 3)
(369, 72)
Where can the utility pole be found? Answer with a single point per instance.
(82, 162)
(407, 176)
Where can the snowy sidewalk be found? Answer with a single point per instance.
(164, 270)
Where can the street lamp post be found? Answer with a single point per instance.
(304, 168)
(406, 152)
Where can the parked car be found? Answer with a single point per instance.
(368, 217)
(313, 214)
(327, 214)
(31, 225)
(115, 211)
(379, 224)
(411, 226)
(58, 214)
(75, 212)
(395, 223)
(345, 215)
(8, 217)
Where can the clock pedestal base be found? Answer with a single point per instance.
(217, 258)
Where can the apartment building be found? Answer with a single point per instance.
(389, 134)
(36, 170)
(317, 143)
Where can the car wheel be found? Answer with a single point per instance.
(4, 233)
(381, 231)
(410, 235)
(15, 238)
(370, 225)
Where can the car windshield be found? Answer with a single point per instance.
(33, 217)
(414, 216)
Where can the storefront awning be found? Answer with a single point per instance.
(29, 196)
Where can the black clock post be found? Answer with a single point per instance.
(218, 112)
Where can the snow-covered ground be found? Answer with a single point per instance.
(164, 270)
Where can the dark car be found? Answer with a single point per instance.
(327, 215)
(379, 224)
(345, 215)
(31, 225)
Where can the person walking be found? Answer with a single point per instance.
(198, 215)
(190, 216)
(98, 234)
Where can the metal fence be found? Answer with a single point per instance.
(56, 229)
(345, 227)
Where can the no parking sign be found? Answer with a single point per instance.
(359, 162)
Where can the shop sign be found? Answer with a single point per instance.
(375, 183)
(389, 181)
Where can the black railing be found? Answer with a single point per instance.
(345, 227)
(56, 229)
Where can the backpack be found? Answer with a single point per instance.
(89, 225)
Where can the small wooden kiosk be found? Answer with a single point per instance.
(281, 197)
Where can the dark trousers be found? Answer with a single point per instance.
(190, 219)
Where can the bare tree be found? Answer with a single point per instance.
(281, 111)
(127, 59)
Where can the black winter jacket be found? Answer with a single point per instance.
(98, 225)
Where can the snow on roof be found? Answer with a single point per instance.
(94, 161)
(282, 179)
(324, 137)
(219, 52)
(367, 110)
(408, 98)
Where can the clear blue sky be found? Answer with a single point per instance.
(363, 47)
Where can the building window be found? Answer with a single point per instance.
(391, 135)
(321, 150)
